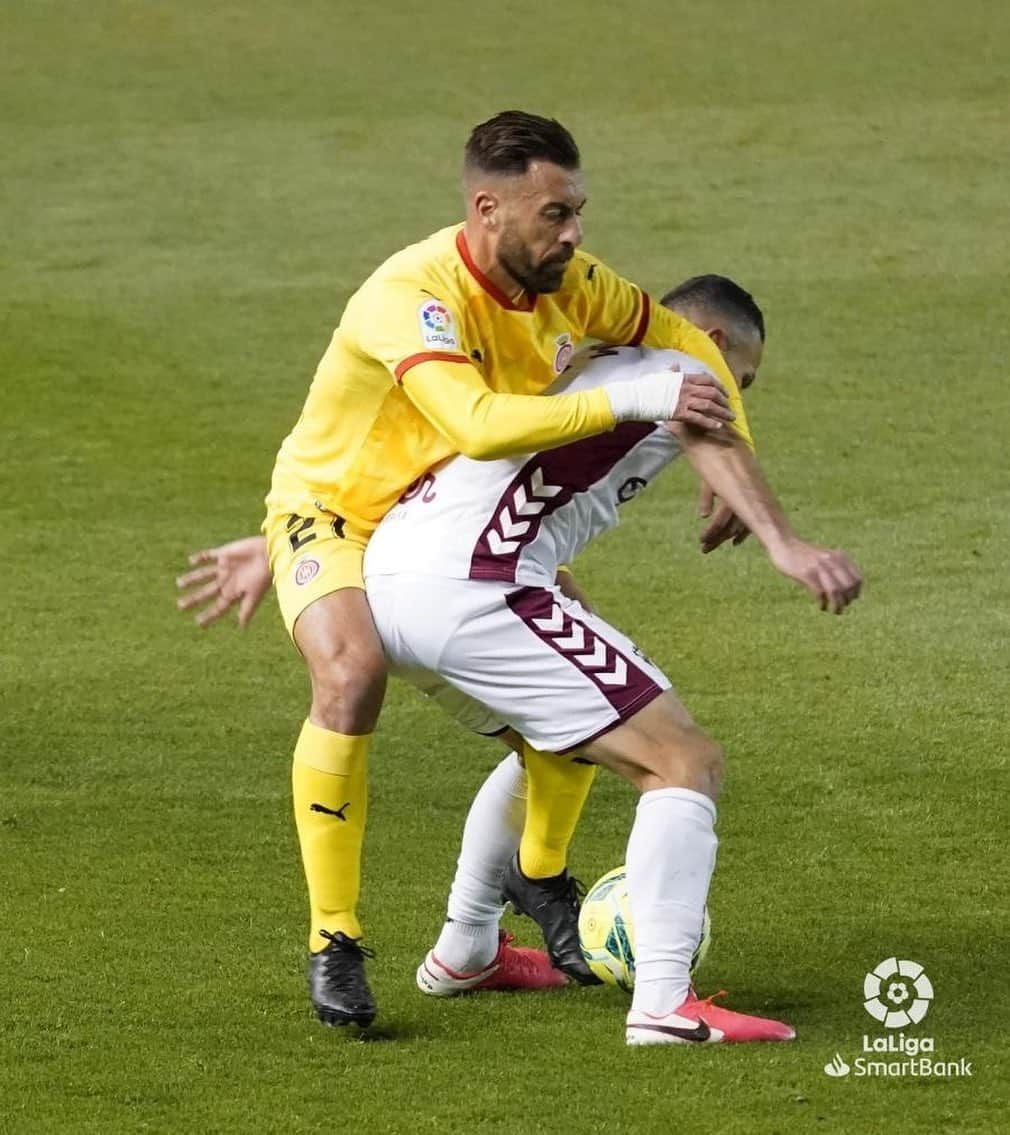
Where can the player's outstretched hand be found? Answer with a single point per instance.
(829, 575)
(724, 525)
(702, 403)
(238, 572)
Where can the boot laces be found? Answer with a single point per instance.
(348, 945)
(517, 960)
(708, 1000)
(569, 891)
(335, 954)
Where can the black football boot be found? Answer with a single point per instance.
(337, 983)
(553, 904)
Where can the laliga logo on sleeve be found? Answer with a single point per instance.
(897, 993)
(438, 328)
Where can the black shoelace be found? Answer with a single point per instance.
(570, 891)
(345, 945)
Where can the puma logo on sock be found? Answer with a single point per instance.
(339, 813)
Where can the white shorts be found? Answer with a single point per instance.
(470, 714)
(530, 657)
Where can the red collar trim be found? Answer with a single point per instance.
(492, 289)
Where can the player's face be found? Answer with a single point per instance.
(540, 225)
(742, 351)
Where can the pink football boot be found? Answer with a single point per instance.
(514, 968)
(701, 1022)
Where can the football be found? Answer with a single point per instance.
(607, 935)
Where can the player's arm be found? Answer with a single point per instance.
(438, 377)
(727, 463)
(486, 425)
(617, 311)
(723, 523)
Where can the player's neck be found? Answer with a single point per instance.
(480, 245)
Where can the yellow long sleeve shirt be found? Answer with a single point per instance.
(431, 359)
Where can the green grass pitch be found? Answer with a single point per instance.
(189, 193)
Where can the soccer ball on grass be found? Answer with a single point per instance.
(607, 935)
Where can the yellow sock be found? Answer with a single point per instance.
(329, 778)
(556, 790)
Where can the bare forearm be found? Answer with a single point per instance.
(730, 468)
(728, 465)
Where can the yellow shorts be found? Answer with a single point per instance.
(311, 555)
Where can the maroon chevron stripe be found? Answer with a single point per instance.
(544, 484)
(625, 685)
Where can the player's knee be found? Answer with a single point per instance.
(695, 762)
(711, 762)
(348, 686)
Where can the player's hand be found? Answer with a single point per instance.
(829, 575)
(238, 572)
(724, 525)
(703, 402)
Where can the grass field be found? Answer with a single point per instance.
(190, 192)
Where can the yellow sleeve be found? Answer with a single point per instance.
(616, 311)
(668, 329)
(417, 337)
(401, 323)
(485, 425)
(613, 309)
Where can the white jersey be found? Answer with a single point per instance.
(517, 519)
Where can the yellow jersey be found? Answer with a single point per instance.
(430, 358)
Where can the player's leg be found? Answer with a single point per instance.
(557, 792)
(670, 861)
(472, 953)
(488, 869)
(488, 873)
(344, 656)
(469, 939)
(318, 576)
(536, 881)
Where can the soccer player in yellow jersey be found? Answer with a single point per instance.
(441, 351)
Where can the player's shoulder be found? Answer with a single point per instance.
(602, 363)
(428, 261)
(415, 274)
(584, 270)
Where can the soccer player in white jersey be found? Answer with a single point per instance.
(480, 543)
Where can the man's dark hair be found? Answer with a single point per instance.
(512, 139)
(718, 293)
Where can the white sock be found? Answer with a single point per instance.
(671, 857)
(494, 825)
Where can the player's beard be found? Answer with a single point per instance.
(514, 257)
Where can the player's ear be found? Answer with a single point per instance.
(719, 337)
(486, 207)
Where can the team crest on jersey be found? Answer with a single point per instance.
(438, 328)
(306, 570)
(564, 352)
